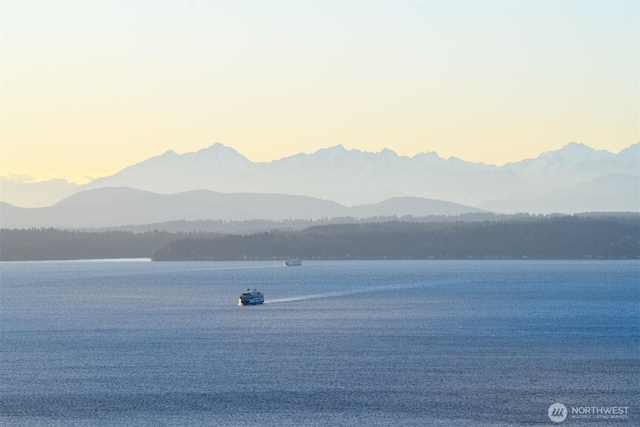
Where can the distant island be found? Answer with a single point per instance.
(606, 236)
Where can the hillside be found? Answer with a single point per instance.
(113, 207)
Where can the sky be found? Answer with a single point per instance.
(88, 88)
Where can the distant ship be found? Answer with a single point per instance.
(293, 262)
(251, 298)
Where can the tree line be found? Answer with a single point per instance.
(548, 237)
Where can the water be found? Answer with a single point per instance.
(385, 343)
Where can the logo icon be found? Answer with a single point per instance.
(557, 412)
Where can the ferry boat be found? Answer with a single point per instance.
(251, 298)
(293, 262)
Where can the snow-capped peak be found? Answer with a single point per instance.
(574, 152)
(218, 152)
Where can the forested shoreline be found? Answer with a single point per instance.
(549, 237)
(53, 244)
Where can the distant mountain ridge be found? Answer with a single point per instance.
(354, 177)
(120, 206)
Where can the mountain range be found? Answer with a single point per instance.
(575, 178)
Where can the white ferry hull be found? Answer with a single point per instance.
(249, 302)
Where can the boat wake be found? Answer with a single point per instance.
(351, 292)
(199, 270)
(248, 267)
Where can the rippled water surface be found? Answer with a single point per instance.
(386, 343)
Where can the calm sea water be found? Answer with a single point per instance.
(395, 343)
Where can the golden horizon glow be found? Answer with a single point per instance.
(91, 88)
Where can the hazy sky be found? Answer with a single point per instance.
(88, 88)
